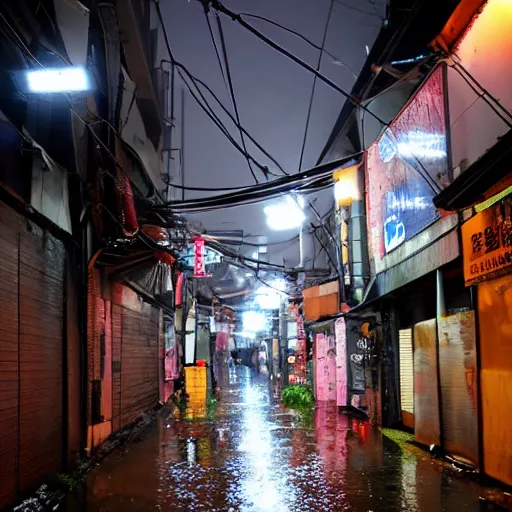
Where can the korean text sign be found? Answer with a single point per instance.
(487, 242)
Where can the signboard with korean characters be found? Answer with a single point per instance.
(487, 242)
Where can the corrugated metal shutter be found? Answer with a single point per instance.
(9, 249)
(139, 362)
(458, 374)
(406, 371)
(31, 354)
(116, 366)
(41, 355)
(427, 428)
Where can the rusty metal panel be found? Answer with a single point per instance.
(41, 288)
(458, 374)
(106, 365)
(9, 385)
(95, 327)
(426, 384)
(495, 326)
(116, 367)
(139, 363)
(73, 366)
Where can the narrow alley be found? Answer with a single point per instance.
(257, 456)
(255, 256)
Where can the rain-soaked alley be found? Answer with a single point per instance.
(256, 456)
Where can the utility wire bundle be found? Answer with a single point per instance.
(312, 180)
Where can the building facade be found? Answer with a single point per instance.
(437, 209)
(88, 283)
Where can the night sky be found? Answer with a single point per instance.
(272, 93)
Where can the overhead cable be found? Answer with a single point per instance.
(207, 109)
(232, 91)
(218, 6)
(207, 189)
(357, 9)
(229, 87)
(486, 96)
(308, 181)
(196, 81)
(203, 208)
(313, 88)
(336, 60)
(214, 118)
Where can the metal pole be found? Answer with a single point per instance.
(169, 155)
(440, 302)
(183, 144)
(301, 247)
(283, 342)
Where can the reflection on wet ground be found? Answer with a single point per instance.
(256, 456)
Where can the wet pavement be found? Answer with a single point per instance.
(257, 456)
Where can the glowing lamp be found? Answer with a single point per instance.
(68, 79)
(346, 188)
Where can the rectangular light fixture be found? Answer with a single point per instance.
(68, 79)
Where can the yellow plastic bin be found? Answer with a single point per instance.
(195, 383)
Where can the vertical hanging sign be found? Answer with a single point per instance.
(199, 263)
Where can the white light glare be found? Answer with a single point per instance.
(250, 335)
(253, 321)
(423, 144)
(268, 301)
(270, 298)
(285, 215)
(70, 79)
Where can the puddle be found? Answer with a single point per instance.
(252, 457)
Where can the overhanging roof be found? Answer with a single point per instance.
(412, 25)
(483, 179)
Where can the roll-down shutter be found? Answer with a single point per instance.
(406, 376)
(31, 354)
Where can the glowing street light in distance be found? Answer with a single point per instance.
(286, 214)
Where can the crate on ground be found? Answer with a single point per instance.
(195, 381)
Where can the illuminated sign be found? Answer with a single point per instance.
(404, 170)
(199, 261)
(487, 242)
(210, 256)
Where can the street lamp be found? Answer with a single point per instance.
(52, 80)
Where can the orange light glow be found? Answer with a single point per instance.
(489, 32)
(346, 187)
